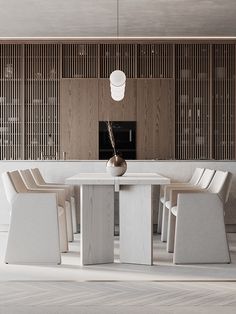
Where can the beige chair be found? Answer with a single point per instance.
(198, 220)
(33, 218)
(201, 186)
(21, 187)
(200, 180)
(42, 183)
(31, 184)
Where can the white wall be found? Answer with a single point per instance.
(57, 171)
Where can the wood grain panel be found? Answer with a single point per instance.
(155, 119)
(136, 243)
(124, 110)
(97, 224)
(79, 118)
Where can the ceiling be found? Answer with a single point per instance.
(98, 18)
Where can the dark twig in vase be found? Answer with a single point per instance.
(111, 136)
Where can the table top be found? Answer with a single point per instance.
(126, 179)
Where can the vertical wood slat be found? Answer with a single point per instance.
(192, 72)
(10, 101)
(79, 60)
(224, 101)
(154, 60)
(41, 101)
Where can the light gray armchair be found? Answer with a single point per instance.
(204, 179)
(33, 236)
(196, 176)
(197, 228)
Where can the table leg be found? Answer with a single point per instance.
(97, 224)
(136, 240)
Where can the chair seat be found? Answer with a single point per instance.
(162, 199)
(174, 210)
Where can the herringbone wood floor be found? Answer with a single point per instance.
(118, 288)
(117, 297)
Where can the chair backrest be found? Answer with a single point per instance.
(9, 187)
(221, 184)
(38, 176)
(28, 179)
(18, 182)
(197, 174)
(206, 178)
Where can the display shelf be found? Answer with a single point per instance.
(42, 75)
(224, 101)
(11, 101)
(193, 99)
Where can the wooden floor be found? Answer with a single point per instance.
(118, 288)
(117, 297)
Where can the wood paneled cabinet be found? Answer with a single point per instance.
(155, 119)
(124, 110)
(79, 118)
(85, 102)
(182, 95)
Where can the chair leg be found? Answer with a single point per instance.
(74, 215)
(62, 230)
(159, 222)
(171, 233)
(69, 223)
(164, 227)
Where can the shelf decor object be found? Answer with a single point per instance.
(116, 165)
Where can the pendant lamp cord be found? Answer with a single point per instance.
(117, 18)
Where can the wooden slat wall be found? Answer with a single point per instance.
(154, 61)
(10, 101)
(79, 60)
(118, 57)
(193, 101)
(42, 75)
(204, 92)
(224, 101)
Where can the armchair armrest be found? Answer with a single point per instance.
(60, 194)
(169, 188)
(174, 193)
(66, 188)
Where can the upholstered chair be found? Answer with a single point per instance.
(42, 183)
(33, 236)
(197, 223)
(21, 187)
(201, 180)
(31, 184)
(196, 176)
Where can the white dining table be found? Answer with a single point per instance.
(135, 212)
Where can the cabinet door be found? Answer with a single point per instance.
(79, 118)
(155, 119)
(124, 110)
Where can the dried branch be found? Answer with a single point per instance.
(111, 136)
